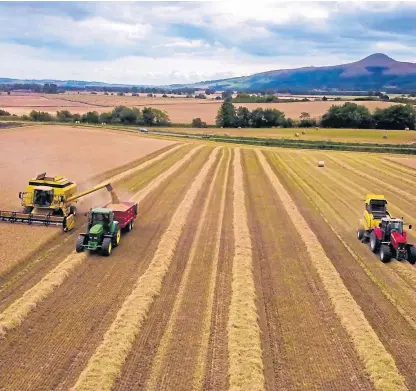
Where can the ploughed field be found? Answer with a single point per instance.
(179, 108)
(243, 272)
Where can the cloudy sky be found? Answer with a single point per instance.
(180, 42)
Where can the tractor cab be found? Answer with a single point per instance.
(388, 226)
(100, 216)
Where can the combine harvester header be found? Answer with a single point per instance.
(48, 201)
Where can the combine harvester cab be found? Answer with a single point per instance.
(105, 225)
(49, 201)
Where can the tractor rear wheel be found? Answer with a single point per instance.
(412, 255)
(79, 247)
(374, 242)
(116, 237)
(385, 253)
(360, 234)
(107, 247)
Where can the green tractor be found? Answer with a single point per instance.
(104, 232)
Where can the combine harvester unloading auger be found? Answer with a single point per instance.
(49, 201)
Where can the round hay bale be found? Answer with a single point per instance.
(406, 129)
(385, 136)
(321, 163)
(297, 134)
(303, 132)
(317, 128)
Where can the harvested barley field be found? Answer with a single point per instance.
(243, 272)
(180, 110)
(79, 154)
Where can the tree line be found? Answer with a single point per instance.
(120, 115)
(348, 115)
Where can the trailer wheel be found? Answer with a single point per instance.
(374, 242)
(412, 255)
(79, 247)
(360, 234)
(130, 226)
(107, 247)
(385, 253)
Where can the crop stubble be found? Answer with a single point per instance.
(106, 363)
(304, 345)
(383, 316)
(71, 322)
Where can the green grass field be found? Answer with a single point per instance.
(342, 135)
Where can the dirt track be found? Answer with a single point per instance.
(185, 339)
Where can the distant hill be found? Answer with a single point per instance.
(375, 72)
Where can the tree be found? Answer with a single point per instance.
(151, 116)
(227, 94)
(91, 117)
(40, 116)
(218, 98)
(304, 115)
(209, 91)
(4, 113)
(50, 88)
(226, 116)
(243, 117)
(349, 115)
(395, 117)
(198, 123)
(200, 96)
(324, 98)
(64, 116)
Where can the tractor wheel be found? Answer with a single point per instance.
(79, 247)
(412, 255)
(27, 209)
(107, 247)
(385, 253)
(360, 234)
(116, 238)
(374, 242)
(72, 210)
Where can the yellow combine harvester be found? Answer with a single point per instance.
(49, 201)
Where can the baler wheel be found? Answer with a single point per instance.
(374, 242)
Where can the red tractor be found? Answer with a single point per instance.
(390, 239)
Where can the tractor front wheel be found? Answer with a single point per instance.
(412, 255)
(360, 234)
(79, 247)
(385, 253)
(107, 247)
(374, 242)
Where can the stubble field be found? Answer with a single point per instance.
(180, 110)
(243, 272)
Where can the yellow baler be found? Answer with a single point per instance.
(375, 210)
